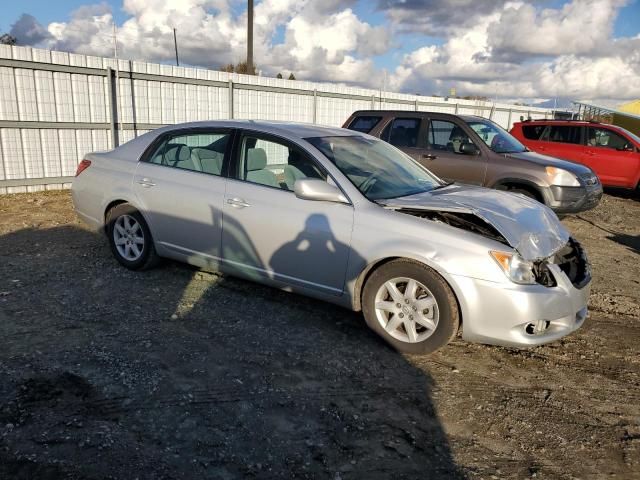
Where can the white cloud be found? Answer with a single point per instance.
(507, 48)
(322, 39)
(523, 52)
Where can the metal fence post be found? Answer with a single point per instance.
(315, 105)
(373, 102)
(230, 98)
(456, 110)
(415, 105)
(509, 119)
(113, 107)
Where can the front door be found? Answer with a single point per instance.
(180, 188)
(269, 233)
(445, 158)
(611, 156)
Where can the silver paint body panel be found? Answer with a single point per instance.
(322, 249)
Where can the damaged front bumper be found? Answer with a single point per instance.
(521, 315)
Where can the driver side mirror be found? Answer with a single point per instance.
(469, 149)
(319, 190)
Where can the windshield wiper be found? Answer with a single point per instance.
(442, 186)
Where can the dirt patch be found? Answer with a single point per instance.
(175, 373)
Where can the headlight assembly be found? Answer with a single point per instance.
(562, 178)
(515, 268)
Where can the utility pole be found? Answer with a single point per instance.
(250, 37)
(175, 45)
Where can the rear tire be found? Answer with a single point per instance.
(419, 316)
(130, 238)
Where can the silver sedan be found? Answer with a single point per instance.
(343, 217)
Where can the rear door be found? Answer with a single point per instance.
(612, 156)
(180, 188)
(562, 141)
(406, 132)
(443, 156)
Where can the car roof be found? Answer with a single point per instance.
(293, 129)
(419, 113)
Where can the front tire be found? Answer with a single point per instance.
(410, 306)
(130, 238)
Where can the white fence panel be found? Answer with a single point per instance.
(39, 88)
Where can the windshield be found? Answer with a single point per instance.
(377, 169)
(496, 138)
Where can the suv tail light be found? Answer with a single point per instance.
(82, 166)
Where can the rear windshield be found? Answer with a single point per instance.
(364, 124)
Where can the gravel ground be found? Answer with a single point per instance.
(175, 373)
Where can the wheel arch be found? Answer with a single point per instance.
(361, 279)
(522, 183)
(121, 201)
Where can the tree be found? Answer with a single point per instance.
(279, 76)
(240, 67)
(7, 39)
(292, 76)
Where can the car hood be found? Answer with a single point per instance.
(530, 227)
(546, 160)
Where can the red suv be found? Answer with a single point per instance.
(612, 152)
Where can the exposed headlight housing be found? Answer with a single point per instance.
(562, 178)
(515, 268)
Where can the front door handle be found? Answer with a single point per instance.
(429, 156)
(146, 183)
(237, 202)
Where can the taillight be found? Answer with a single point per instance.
(82, 166)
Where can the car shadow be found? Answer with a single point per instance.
(177, 373)
(632, 194)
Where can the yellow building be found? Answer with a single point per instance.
(631, 107)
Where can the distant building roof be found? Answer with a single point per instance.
(631, 107)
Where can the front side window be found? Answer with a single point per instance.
(404, 132)
(603, 137)
(275, 164)
(496, 137)
(446, 136)
(198, 152)
(364, 124)
(564, 134)
(378, 170)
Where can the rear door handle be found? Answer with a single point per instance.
(146, 183)
(237, 202)
(429, 156)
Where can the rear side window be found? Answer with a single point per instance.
(364, 124)
(564, 134)
(404, 132)
(199, 152)
(533, 132)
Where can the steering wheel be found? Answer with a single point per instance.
(368, 182)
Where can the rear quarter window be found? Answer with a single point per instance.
(364, 124)
(533, 132)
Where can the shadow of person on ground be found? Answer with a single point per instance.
(100, 377)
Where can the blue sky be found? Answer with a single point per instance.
(425, 46)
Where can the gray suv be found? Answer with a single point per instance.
(476, 151)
